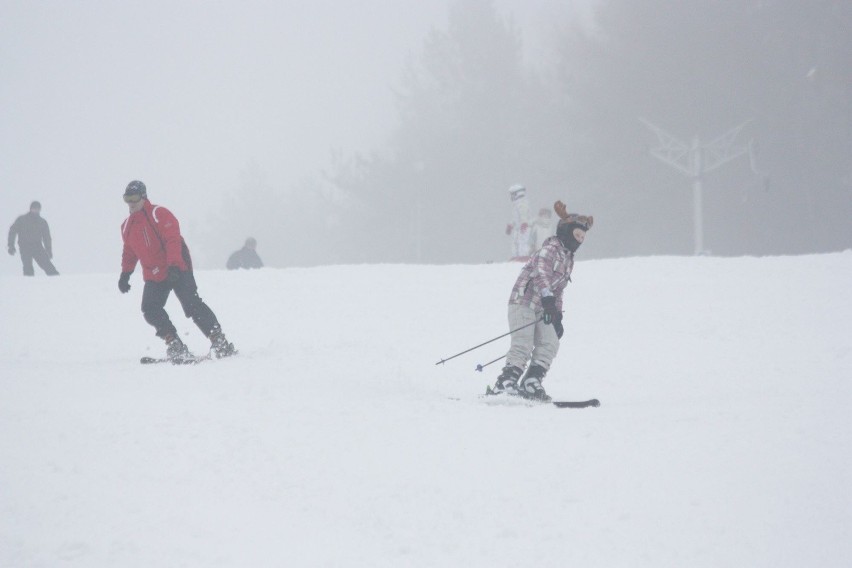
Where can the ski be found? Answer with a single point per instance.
(591, 403)
(157, 360)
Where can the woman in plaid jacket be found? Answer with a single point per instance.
(535, 306)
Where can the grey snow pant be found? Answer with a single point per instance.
(537, 343)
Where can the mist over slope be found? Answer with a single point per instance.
(333, 439)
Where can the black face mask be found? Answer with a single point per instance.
(565, 233)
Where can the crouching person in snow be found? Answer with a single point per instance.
(246, 257)
(152, 237)
(536, 302)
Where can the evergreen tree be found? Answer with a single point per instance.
(440, 193)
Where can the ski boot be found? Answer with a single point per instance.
(530, 386)
(219, 344)
(177, 352)
(507, 381)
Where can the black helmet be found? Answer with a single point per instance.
(35, 205)
(565, 233)
(136, 187)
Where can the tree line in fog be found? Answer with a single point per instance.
(770, 79)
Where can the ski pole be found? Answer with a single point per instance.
(442, 361)
(480, 367)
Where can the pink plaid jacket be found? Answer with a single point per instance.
(546, 273)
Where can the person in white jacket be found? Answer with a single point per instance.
(520, 229)
(542, 227)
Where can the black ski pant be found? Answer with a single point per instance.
(37, 253)
(154, 297)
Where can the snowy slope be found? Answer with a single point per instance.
(723, 438)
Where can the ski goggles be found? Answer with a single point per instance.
(133, 198)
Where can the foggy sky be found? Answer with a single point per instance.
(183, 95)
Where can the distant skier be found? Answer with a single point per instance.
(246, 257)
(151, 236)
(542, 228)
(520, 229)
(536, 301)
(33, 235)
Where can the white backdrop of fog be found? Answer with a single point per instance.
(183, 95)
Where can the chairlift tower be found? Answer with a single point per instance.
(695, 160)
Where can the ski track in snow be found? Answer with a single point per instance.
(722, 438)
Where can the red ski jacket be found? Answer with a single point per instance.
(152, 237)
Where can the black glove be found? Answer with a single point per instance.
(174, 275)
(124, 282)
(548, 303)
(12, 250)
(557, 325)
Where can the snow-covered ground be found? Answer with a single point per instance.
(724, 437)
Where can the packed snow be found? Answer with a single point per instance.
(723, 438)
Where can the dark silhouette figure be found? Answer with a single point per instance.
(246, 257)
(33, 235)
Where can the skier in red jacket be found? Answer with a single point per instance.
(152, 237)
